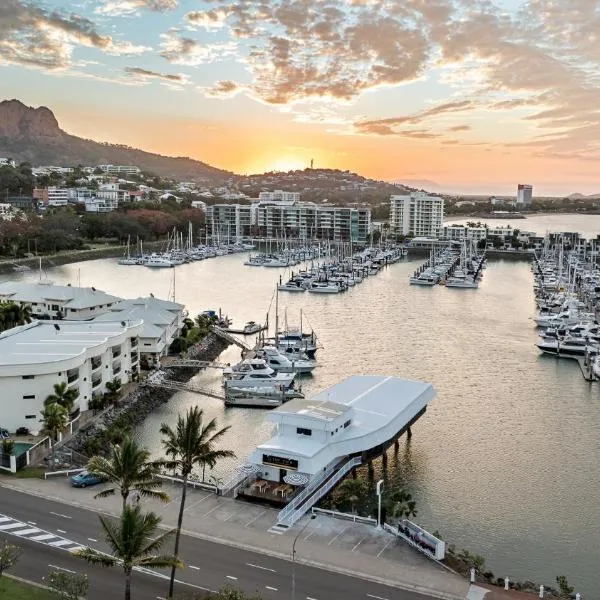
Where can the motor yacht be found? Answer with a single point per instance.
(285, 364)
(255, 372)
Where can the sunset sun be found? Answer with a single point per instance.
(288, 164)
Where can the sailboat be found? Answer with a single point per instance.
(127, 258)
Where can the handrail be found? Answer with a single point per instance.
(66, 472)
(191, 482)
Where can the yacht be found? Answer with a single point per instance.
(425, 278)
(460, 279)
(567, 346)
(293, 341)
(562, 319)
(293, 285)
(325, 288)
(158, 262)
(255, 372)
(285, 364)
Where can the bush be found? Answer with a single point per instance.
(8, 447)
(23, 431)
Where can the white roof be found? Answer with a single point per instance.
(372, 402)
(43, 291)
(53, 341)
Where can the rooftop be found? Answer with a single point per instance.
(44, 291)
(322, 410)
(53, 341)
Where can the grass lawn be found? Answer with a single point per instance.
(15, 590)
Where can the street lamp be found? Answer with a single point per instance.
(312, 517)
(379, 491)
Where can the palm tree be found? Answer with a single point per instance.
(402, 506)
(55, 420)
(353, 490)
(129, 469)
(63, 396)
(130, 540)
(191, 444)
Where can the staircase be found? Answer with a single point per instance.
(312, 493)
(230, 338)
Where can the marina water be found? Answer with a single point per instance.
(504, 462)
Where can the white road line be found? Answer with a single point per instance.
(27, 531)
(384, 548)
(4, 519)
(255, 518)
(336, 537)
(261, 568)
(60, 543)
(308, 536)
(231, 577)
(61, 531)
(41, 538)
(10, 526)
(92, 540)
(198, 502)
(193, 567)
(228, 517)
(376, 597)
(61, 569)
(60, 515)
(310, 598)
(358, 544)
(32, 522)
(271, 588)
(211, 510)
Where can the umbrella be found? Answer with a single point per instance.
(296, 478)
(249, 468)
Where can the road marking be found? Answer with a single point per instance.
(310, 598)
(358, 544)
(309, 535)
(41, 538)
(27, 531)
(231, 577)
(376, 597)
(92, 540)
(336, 537)
(10, 526)
(61, 569)
(60, 515)
(32, 522)
(211, 510)
(271, 588)
(384, 548)
(59, 543)
(4, 519)
(198, 501)
(255, 518)
(193, 567)
(228, 517)
(61, 531)
(261, 568)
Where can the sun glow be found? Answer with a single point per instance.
(288, 164)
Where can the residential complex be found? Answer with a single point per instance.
(120, 169)
(524, 194)
(281, 214)
(52, 196)
(417, 215)
(460, 233)
(84, 355)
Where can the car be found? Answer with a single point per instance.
(85, 479)
(4, 433)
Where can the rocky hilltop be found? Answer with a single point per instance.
(34, 135)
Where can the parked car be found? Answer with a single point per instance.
(85, 479)
(4, 433)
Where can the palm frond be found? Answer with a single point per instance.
(159, 562)
(95, 557)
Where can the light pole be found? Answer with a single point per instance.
(294, 555)
(379, 491)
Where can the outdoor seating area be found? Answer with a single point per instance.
(272, 492)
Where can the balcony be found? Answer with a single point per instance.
(96, 362)
(133, 342)
(134, 358)
(116, 367)
(116, 351)
(72, 376)
(96, 382)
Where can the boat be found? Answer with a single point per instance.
(157, 261)
(291, 286)
(567, 346)
(255, 372)
(425, 278)
(317, 287)
(127, 258)
(259, 397)
(249, 328)
(285, 364)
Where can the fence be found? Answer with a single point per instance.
(419, 539)
(65, 472)
(191, 483)
(345, 516)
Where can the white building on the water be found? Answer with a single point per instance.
(85, 355)
(49, 301)
(359, 414)
(162, 323)
(417, 214)
(461, 233)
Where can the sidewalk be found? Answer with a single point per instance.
(341, 546)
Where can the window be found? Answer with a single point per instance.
(28, 376)
(30, 416)
(347, 423)
(29, 397)
(303, 431)
(279, 461)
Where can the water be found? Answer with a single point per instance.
(504, 462)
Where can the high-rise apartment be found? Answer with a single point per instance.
(417, 214)
(524, 194)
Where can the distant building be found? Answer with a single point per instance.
(462, 232)
(524, 194)
(7, 162)
(417, 214)
(120, 169)
(229, 221)
(199, 204)
(8, 212)
(279, 196)
(52, 196)
(22, 202)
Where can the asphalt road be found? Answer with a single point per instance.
(209, 565)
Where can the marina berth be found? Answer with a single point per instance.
(361, 414)
(84, 355)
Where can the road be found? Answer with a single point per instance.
(209, 565)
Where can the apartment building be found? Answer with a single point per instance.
(7, 162)
(417, 214)
(279, 196)
(524, 194)
(120, 169)
(84, 355)
(461, 233)
(229, 221)
(52, 196)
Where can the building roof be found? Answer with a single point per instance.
(322, 410)
(53, 341)
(46, 291)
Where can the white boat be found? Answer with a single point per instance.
(291, 286)
(464, 281)
(567, 346)
(249, 328)
(285, 364)
(255, 372)
(428, 279)
(562, 319)
(158, 262)
(324, 288)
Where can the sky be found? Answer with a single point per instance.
(475, 95)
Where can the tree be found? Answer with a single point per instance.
(9, 555)
(191, 444)
(401, 505)
(55, 420)
(131, 544)
(113, 388)
(352, 490)
(129, 469)
(63, 396)
(566, 591)
(68, 586)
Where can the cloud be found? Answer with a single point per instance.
(460, 128)
(33, 36)
(208, 19)
(222, 89)
(120, 8)
(181, 50)
(146, 75)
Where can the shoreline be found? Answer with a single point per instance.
(525, 215)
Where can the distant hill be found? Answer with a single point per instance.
(420, 184)
(583, 197)
(34, 135)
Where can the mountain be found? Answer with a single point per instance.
(34, 135)
(420, 184)
(578, 196)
